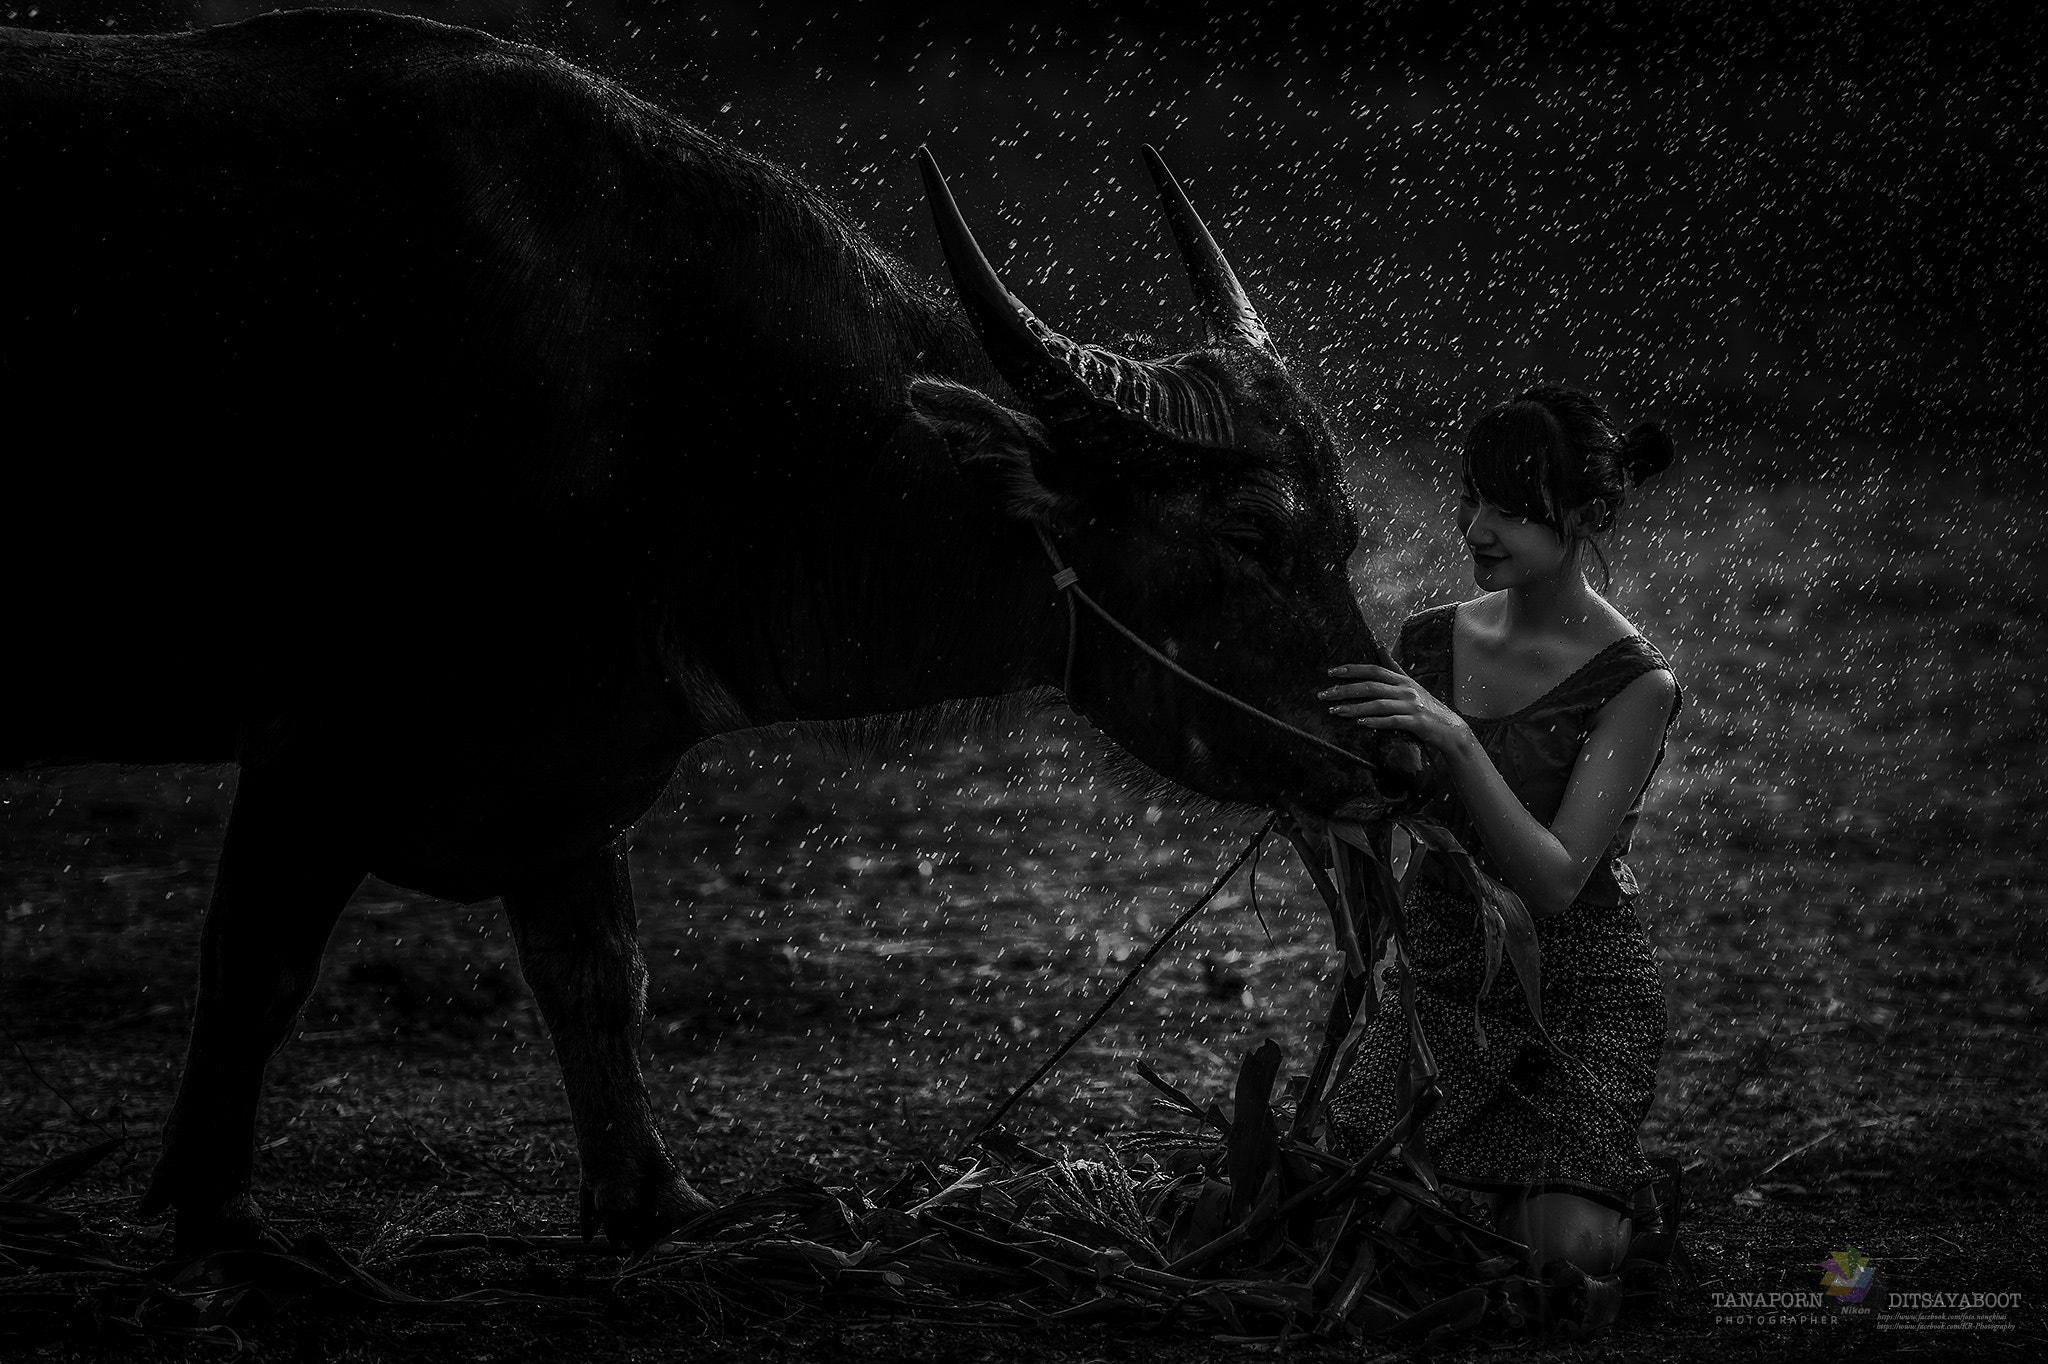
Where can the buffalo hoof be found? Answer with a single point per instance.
(235, 1225)
(634, 1217)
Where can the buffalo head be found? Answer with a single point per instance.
(1201, 499)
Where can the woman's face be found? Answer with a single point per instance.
(1508, 550)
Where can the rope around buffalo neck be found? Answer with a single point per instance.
(1069, 584)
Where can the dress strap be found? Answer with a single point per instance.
(1621, 663)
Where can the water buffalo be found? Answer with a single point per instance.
(453, 440)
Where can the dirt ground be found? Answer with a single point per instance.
(851, 964)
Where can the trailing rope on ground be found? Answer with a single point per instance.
(1130, 977)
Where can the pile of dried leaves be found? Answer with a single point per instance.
(1162, 1233)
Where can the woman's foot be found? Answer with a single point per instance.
(1565, 1228)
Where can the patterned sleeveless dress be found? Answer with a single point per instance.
(1520, 1115)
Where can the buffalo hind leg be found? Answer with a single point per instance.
(281, 883)
(579, 950)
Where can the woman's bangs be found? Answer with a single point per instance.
(1507, 456)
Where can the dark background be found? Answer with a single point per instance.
(1809, 236)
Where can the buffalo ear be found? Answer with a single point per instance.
(999, 452)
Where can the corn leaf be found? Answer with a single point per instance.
(1180, 1100)
(36, 1185)
(1254, 1140)
(1507, 920)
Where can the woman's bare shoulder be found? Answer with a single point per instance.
(1647, 704)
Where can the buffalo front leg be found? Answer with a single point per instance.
(579, 950)
(282, 882)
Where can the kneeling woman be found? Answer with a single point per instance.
(1547, 712)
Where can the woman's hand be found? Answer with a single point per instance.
(1387, 698)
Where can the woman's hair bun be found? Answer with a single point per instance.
(1646, 452)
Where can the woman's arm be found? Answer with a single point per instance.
(1547, 867)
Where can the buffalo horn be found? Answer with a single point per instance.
(1008, 331)
(1103, 400)
(1219, 298)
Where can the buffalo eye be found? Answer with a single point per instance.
(1263, 547)
(1245, 539)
